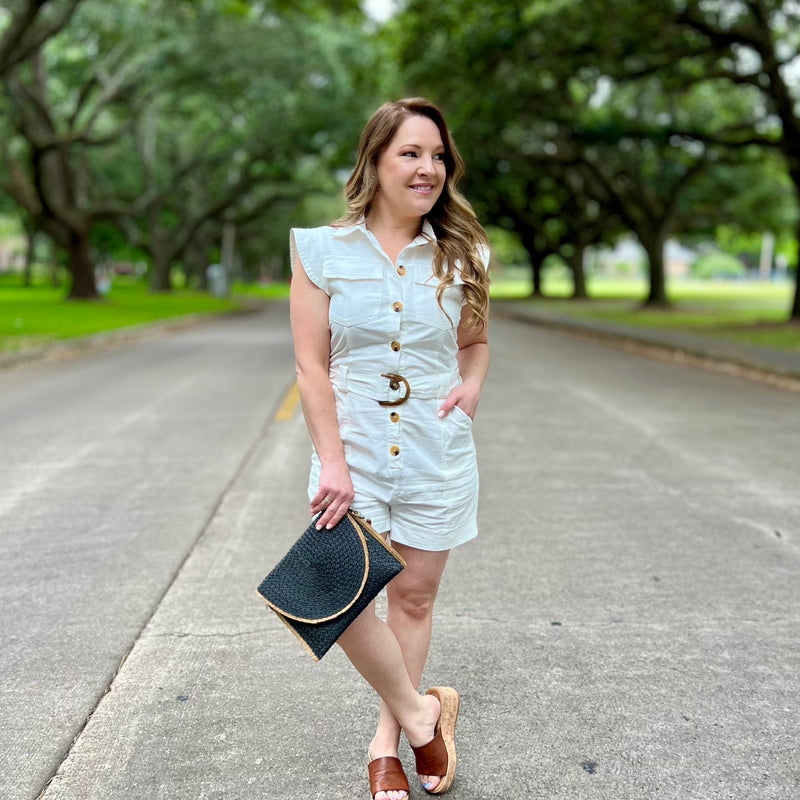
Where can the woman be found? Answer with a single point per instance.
(389, 311)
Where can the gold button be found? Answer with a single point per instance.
(401, 270)
(395, 451)
(394, 384)
(397, 306)
(394, 416)
(396, 346)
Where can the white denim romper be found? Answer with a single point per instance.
(414, 474)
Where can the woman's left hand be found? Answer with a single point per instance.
(465, 396)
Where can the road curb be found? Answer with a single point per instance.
(771, 366)
(63, 349)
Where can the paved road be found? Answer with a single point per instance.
(626, 626)
(112, 467)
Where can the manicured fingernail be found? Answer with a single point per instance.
(441, 414)
(428, 784)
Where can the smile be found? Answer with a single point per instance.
(422, 188)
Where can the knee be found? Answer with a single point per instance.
(415, 603)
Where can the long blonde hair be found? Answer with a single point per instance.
(460, 239)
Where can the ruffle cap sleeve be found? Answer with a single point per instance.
(484, 254)
(308, 245)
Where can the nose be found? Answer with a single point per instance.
(426, 166)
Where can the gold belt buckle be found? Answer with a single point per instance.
(394, 384)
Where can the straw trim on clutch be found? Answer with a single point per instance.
(328, 578)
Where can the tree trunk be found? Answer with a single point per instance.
(228, 253)
(536, 256)
(654, 247)
(53, 265)
(578, 274)
(160, 280)
(81, 267)
(795, 314)
(195, 260)
(537, 260)
(793, 159)
(536, 277)
(30, 244)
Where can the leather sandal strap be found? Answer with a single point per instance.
(432, 758)
(386, 775)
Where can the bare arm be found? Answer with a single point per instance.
(312, 347)
(473, 366)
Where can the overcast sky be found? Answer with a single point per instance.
(379, 10)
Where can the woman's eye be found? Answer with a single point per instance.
(439, 156)
(410, 153)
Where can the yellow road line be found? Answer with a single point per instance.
(288, 405)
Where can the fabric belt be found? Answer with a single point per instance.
(393, 388)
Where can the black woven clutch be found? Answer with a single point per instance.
(328, 578)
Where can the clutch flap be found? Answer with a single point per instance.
(321, 576)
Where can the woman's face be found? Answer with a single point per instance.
(411, 170)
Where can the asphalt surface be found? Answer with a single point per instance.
(625, 626)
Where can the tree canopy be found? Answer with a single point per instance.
(167, 118)
(621, 107)
(173, 121)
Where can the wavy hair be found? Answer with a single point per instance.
(460, 239)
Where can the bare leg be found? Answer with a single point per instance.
(372, 647)
(411, 596)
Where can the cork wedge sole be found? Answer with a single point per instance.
(438, 757)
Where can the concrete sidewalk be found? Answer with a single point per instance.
(782, 363)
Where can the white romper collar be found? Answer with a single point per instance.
(425, 236)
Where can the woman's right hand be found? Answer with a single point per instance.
(334, 496)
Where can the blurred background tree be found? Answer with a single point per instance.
(187, 132)
(747, 49)
(178, 121)
(578, 115)
(27, 24)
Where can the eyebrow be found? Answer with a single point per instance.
(419, 147)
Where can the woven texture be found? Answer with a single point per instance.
(327, 579)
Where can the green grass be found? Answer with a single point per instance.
(748, 312)
(34, 316)
(262, 291)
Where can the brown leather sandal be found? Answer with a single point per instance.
(438, 757)
(386, 775)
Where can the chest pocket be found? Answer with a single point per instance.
(426, 308)
(355, 286)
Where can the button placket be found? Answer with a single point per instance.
(397, 307)
(396, 346)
